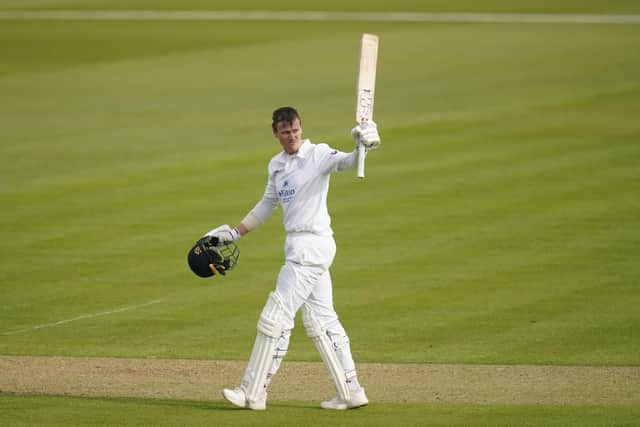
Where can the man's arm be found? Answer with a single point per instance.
(264, 208)
(365, 134)
(242, 229)
(347, 160)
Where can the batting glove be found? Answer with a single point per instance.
(224, 234)
(366, 133)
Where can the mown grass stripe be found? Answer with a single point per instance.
(321, 16)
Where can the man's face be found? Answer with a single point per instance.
(289, 135)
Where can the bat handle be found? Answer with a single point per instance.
(361, 155)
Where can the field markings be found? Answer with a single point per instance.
(83, 317)
(261, 15)
(203, 380)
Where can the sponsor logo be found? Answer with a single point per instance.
(286, 195)
(287, 191)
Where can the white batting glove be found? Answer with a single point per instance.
(366, 133)
(224, 234)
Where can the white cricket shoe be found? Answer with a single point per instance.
(357, 399)
(238, 398)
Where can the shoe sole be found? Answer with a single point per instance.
(358, 406)
(335, 408)
(344, 406)
(242, 405)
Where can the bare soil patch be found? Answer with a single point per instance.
(384, 382)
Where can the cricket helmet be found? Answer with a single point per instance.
(208, 258)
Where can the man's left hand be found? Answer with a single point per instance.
(366, 133)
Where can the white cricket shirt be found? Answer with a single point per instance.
(300, 183)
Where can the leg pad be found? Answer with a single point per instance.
(324, 346)
(270, 328)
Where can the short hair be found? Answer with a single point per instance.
(284, 114)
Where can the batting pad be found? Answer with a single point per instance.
(270, 328)
(324, 346)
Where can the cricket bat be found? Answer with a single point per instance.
(366, 88)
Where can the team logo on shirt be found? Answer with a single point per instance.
(286, 194)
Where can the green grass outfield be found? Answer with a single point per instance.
(499, 223)
(60, 411)
(540, 6)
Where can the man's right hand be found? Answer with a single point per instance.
(224, 234)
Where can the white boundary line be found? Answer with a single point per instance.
(84, 316)
(257, 15)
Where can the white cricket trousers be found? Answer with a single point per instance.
(305, 277)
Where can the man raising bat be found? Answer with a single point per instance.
(298, 180)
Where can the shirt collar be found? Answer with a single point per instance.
(302, 153)
(304, 149)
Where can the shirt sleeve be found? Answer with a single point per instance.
(269, 202)
(332, 160)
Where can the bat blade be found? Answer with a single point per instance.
(366, 87)
(367, 77)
